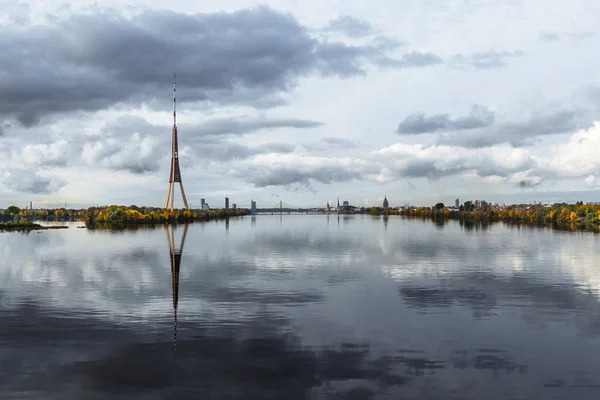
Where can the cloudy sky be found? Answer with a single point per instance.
(300, 101)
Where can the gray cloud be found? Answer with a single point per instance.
(132, 144)
(522, 133)
(485, 60)
(350, 26)
(227, 151)
(417, 168)
(433, 162)
(548, 37)
(91, 62)
(581, 35)
(479, 117)
(27, 181)
(240, 126)
(385, 43)
(480, 129)
(527, 183)
(127, 143)
(412, 59)
(329, 143)
(287, 176)
(288, 171)
(340, 142)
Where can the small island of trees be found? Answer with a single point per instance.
(118, 216)
(15, 218)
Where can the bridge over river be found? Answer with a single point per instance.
(283, 208)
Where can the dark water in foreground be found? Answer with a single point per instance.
(301, 307)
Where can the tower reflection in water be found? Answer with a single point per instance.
(175, 257)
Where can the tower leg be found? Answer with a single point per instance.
(185, 203)
(168, 195)
(172, 195)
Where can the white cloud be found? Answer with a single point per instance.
(590, 181)
(432, 162)
(579, 156)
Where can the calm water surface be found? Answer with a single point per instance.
(300, 307)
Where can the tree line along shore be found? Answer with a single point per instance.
(578, 214)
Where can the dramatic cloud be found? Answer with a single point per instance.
(519, 133)
(350, 26)
(284, 170)
(46, 154)
(25, 181)
(93, 61)
(478, 117)
(481, 128)
(295, 99)
(137, 154)
(146, 146)
(434, 162)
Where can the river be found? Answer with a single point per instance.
(300, 307)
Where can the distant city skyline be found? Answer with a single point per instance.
(525, 198)
(302, 102)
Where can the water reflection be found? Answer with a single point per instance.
(301, 310)
(175, 255)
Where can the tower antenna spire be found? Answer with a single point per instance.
(175, 175)
(174, 102)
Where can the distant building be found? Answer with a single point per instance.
(346, 204)
(456, 203)
(252, 207)
(227, 203)
(205, 206)
(202, 202)
(234, 206)
(386, 204)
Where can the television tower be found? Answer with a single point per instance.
(175, 170)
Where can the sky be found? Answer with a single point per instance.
(302, 102)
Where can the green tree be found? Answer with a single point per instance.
(13, 210)
(439, 206)
(468, 206)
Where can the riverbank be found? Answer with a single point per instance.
(28, 227)
(122, 216)
(561, 216)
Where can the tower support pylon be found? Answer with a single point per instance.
(175, 175)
